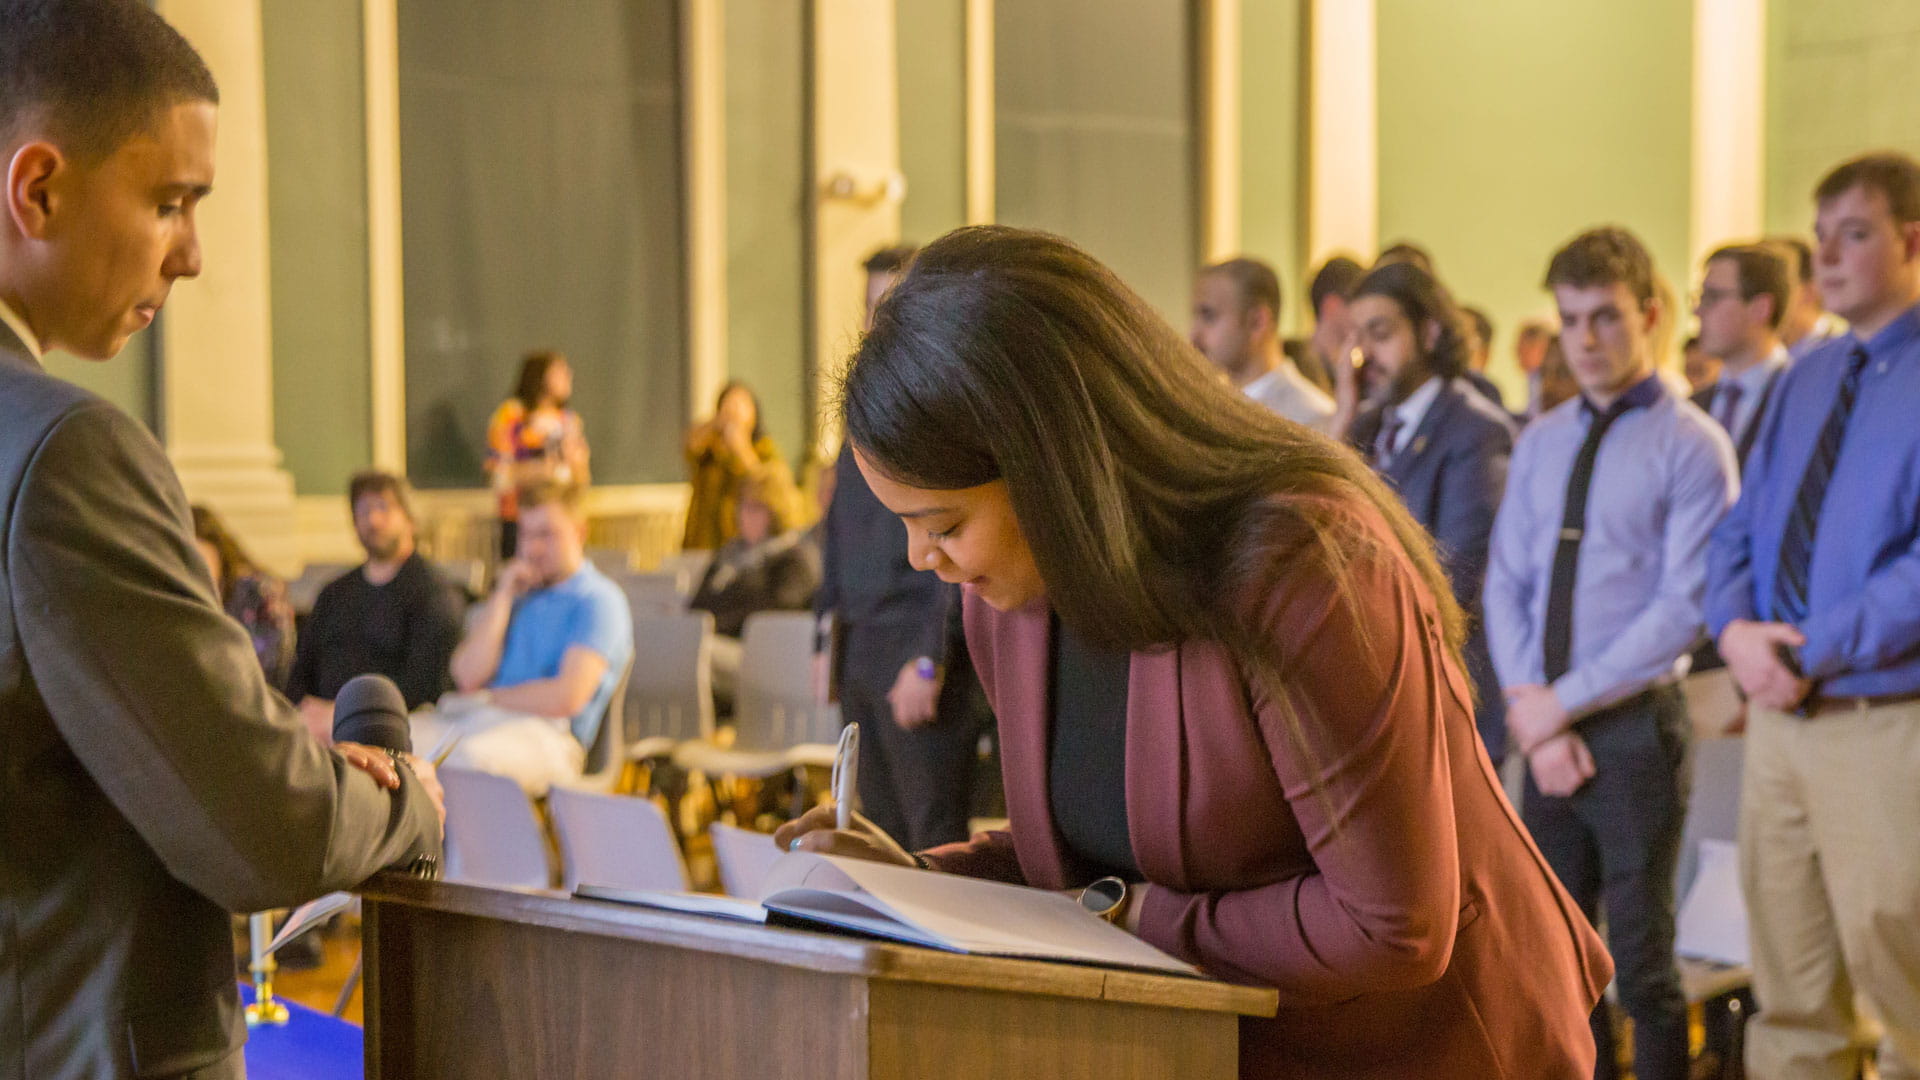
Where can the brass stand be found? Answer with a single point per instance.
(264, 1010)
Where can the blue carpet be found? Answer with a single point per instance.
(313, 1046)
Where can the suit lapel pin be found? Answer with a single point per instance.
(1420, 444)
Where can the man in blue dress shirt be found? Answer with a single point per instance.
(1593, 600)
(1814, 596)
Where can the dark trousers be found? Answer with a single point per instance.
(915, 784)
(1614, 844)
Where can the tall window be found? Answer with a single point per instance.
(1095, 134)
(542, 208)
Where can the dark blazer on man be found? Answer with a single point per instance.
(1382, 882)
(1743, 445)
(150, 781)
(1451, 474)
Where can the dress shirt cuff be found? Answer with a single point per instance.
(1822, 657)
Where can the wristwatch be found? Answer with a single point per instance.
(1106, 898)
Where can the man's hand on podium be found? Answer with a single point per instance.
(814, 831)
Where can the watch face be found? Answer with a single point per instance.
(1103, 896)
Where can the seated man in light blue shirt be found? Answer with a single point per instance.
(1593, 600)
(542, 655)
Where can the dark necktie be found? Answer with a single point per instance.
(1728, 401)
(1796, 544)
(1558, 639)
(1383, 451)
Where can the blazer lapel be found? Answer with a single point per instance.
(1156, 765)
(1023, 650)
(1400, 468)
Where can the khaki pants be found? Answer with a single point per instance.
(1830, 865)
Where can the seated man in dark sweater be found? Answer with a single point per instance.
(390, 616)
(765, 567)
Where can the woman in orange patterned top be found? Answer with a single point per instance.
(534, 437)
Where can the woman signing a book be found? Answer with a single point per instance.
(1226, 667)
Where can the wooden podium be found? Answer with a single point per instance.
(464, 982)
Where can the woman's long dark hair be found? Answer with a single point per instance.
(1145, 487)
(533, 377)
(1422, 299)
(759, 419)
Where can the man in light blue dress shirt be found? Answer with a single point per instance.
(1814, 595)
(1593, 600)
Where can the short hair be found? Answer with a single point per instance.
(1604, 256)
(1534, 329)
(773, 488)
(1257, 281)
(567, 496)
(1482, 325)
(1336, 277)
(890, 260)
(1892, 174)
(533, 376)
(1762, 271)
(94, 72)
(1693, 342)
(381, 482)
(1406, 251)
(1798, 251)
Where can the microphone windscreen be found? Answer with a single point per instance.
(370, 711)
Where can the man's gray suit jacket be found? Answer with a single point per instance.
(150, 781)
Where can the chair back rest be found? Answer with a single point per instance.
(1713, 806)
(743, 856)
(493, 837)
(652, 592)
(775, 708)
(609, 561)
(618, 840)
(670, 690)
(604, 757)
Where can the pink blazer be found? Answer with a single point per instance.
(1426, 937)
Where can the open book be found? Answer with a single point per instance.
(940, 911)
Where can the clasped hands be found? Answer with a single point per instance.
(1556, 754)
(1753, 651)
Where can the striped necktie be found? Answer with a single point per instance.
(1796, 544)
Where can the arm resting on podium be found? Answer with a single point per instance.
(158, 694)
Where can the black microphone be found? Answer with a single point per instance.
(370, 711)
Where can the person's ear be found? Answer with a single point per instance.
(31, 199)
(1430, 340)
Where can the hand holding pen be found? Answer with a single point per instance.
(839, 829)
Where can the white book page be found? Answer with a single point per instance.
(968, 914)
(724, 907)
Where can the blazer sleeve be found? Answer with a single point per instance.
(1363, 671)
(157, 693)
(1475, 478)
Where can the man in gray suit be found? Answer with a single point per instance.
(150, 782)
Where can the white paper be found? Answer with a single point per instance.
(724, 907)
(308, 915)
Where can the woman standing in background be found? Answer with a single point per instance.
(534, 437)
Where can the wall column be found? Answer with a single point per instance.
(1729, 125)
(856, 180)
(1343, 131)
(216, 341)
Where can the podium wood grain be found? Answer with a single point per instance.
(467, 982)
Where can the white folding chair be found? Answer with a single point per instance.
(610, 561)
(493, 837)
(607, 756)
(669, 697)
(467, 575)
(743, 857)
(618, 840)
(688, 567)
(652, 592)
(1713, 912)
(778, 725)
